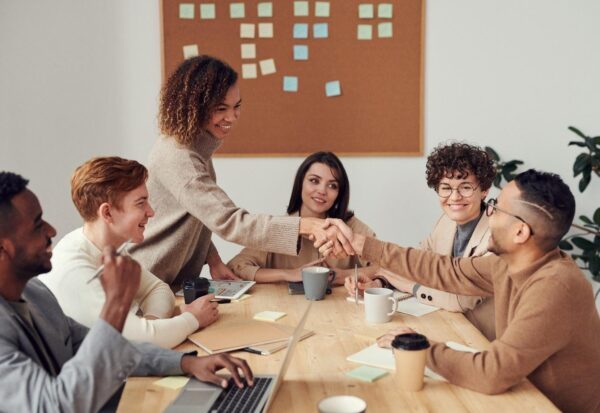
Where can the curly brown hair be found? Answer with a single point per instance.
(191, 94)
(458, 160)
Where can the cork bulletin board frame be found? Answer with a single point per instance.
(378, 109)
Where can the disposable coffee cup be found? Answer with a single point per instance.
(315, 281)
(410, 353)
(342, 404)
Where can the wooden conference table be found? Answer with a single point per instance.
(319, 364)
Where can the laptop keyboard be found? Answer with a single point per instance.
(236, 400)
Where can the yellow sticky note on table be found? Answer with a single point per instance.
(269, 315)
(384, 30)
(247, 30)
(365, 11)
(365, 32)
(243, 297)
(322, 9)
(173, 383)
(237, 10)
(267, 67)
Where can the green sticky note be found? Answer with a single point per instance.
(367, 373)
(186, 11)
(365, 11)
(301, 8)
(322, 9)
(365, 32)
(385, 10)
(207, 11)
(265, 9)
(384, 30)
(237, 10)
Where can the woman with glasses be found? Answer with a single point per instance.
(461, 175)
(321, 190)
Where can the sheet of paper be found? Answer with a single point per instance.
(301, 8)
(320, 30)
(190, 50)
(300, 52)
(247, 31)
(248, 51)
(186, 11)
(333, 88)
(300, 31)
(365, 32)
(267, 67)
(290, 83)
(237, 10)
(269, 315)
(208, 11)
(265, 9)
(265, 30)
(173, 383)
(249, 71)
(384, 30)
(367, 373)
(322, 9)
(243, 297)
(413, 307)
(385, 10)
(365, 11)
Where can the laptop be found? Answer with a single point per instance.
(206, 397)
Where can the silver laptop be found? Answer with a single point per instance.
(205, 397)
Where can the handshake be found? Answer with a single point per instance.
(332, 237)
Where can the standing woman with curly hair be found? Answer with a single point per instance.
(200, 104)
(461, 175)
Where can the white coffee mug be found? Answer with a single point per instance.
(380, 305)
(342, 404)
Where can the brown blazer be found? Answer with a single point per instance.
(479, 310)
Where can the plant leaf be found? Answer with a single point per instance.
(596, 140)
(585, 180)
(594, 264)
(585, 219)
(577, 131)
(582, 160)
(597, 217)
(492, 153)
(581, 144)
(565, 245)
(582, 243)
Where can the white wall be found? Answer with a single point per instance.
(81, 78)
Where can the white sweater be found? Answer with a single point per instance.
(75, 260)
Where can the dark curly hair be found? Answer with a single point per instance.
(191, 94)
(11, 184)
(458, 160)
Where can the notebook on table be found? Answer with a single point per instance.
(204, 397)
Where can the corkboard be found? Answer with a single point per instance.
(380, 111)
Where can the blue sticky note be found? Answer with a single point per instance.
(300, 31)
(333, 88)
(300, 52)
(290, 84)
(320, 30)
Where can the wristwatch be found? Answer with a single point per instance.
(384, 283)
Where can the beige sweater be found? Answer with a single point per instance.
(250, 260)
(190, 206)
(75, 260)
(547, 324)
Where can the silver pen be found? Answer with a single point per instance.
(122, 249)
(356, 283)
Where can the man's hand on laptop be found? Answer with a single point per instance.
(204, 369)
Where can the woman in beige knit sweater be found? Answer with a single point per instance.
(321, 189)
(200, 105)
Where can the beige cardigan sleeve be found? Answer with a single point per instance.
(247, 263)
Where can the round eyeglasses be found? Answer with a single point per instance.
(465, 190)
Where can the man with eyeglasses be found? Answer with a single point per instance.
(548, 329)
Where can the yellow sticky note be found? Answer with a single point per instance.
(322, 9)
(190, 50)
(265, 9)
(208, 11)
(173, 383)
(249, 71)
(237, 10)
(267, 67)
(186, 11)
(247, 30)
(301, 8)
(269, 315)
(265, 30)
(385, 10)
(365, 32)
(365, 11)
(384, 30)
(244, 297)
(248, 51)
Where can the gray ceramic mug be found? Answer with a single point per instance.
(315, 281)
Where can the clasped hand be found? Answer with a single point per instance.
(333, 237)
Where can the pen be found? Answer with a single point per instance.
(356, 283)
(253, 351)
(122, 249)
